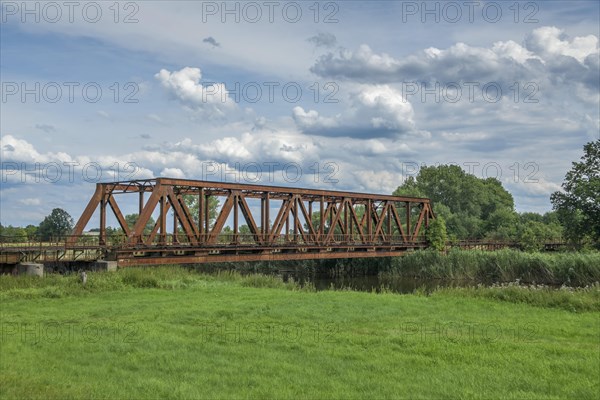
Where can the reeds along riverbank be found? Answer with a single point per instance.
(165, 277)
(168, 278)
(571, 269)
(488, 267)
(502, 266)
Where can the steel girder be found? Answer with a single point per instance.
(309, 221)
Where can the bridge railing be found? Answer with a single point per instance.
(13, 242)
(227, 239)
(487, 244)
(16, 242)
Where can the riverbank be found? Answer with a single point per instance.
(476, 266)
(503, 266)
(56, 286)
(173, 333)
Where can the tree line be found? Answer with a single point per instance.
(57, 223)
(468, 207)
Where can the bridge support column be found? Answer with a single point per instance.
(109, 266)
(30, 269)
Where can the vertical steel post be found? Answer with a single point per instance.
(321, 217)
(206, 216)
(102, 239)
(235, 217)
(368, 210)
(163, 220)
(267, 217)
(408, 231)
(141, 200)
(296, 200)
(175, 225)
(389, 220)
(201, 214)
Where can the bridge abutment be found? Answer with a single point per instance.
(34, 269)
(108, 266)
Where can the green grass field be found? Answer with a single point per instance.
(170, 333)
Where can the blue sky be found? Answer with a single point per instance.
(504, 89)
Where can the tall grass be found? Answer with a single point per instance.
(165, 277)
(566, 298)
(572, 269)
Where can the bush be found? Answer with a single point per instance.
(436, 234)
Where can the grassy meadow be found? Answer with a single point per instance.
(173, 333)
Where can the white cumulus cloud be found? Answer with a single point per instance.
(212, 99)
(372, 111)
(552, 41)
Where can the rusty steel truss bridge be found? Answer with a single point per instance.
(179, 221)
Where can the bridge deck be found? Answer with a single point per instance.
(184, 252)
(223, 251)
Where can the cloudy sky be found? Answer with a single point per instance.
(337, 95)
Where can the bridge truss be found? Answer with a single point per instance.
(279, 223)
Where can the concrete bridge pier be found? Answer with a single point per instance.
(34, 269)
(101, 265)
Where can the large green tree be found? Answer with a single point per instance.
(501, 224)
(436, 233)
(578, 204)
(58, 223)
(472, 207)
(193, 205)
(131, 219)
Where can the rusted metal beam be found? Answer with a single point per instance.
(221, 219)
(380, 223)
(102, 238)
(254, 191)
(180, 215)
(152, 235)
(87, 213)
(408, 227)
(141, 202)
(117, 211)
(267, 221)
(201, 214)
(163, 220)
(189, 217)
(335, 217)
(282, 217)
(380, 220)
(354, 220)
(144, 217)
(399, 223)
(213, 258)
(308, 217)
(249, 219)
